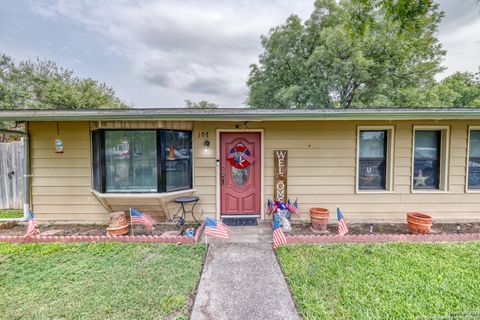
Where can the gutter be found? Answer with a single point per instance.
(240, 114)
(26, 176)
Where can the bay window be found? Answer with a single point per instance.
(141, 161)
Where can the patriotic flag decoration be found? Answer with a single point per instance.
(278, 235)
(248, 157)
(137, 217)
(216, 228)
(271, 207)
(32, 226)
(293, 208)
(342, 226)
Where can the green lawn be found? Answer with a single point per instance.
(11, 214)
(98, 281)
(383, 281)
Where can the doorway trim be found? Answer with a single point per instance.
(217, 169)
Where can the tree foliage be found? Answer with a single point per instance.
(44, 85)
(361, 53)
(203, 104)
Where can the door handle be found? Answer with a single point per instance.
(222, 174)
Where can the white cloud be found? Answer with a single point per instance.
(177, 50)
(201, 49)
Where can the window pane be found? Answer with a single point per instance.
(131, 161)
(178, 160)
(372, 144)
(372, 162)
(426, 169)
(96, 149)
(474, 160)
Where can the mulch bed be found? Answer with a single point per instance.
(388, 228)
(92, 230)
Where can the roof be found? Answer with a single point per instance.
(239, 114)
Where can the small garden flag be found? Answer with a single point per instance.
(32, 226)
(342, 226)
(271, 206)
(216, 228)
(137, 217)
(293, 208)
(278, 235)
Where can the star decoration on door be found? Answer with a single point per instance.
(240, 157)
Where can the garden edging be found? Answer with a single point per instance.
(378, 238)
(127, 239)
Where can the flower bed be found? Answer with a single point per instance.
(163, 233)
(386, 232)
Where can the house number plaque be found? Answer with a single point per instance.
(280, 175)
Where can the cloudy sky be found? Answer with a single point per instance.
(159, 53)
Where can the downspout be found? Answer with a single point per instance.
(26, 176)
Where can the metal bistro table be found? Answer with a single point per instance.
(183, 201)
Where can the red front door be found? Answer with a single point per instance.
(240, 173)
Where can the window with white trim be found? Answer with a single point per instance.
(374, 168)
(430, 157)
(474, 160)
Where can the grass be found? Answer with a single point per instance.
(98, 281)
(11, 214)
(384, 281)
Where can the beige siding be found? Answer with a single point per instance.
(321, 170)
(61, 182)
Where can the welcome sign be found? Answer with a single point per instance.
(280, 175)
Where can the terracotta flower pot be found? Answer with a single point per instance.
(118, 224)
(419, 223)
(319, 218)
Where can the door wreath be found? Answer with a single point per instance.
(240, 157)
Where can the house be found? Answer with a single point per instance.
(377, 164)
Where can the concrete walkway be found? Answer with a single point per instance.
(242, 280)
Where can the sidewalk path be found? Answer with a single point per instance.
(242, 281)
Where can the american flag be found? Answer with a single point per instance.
(216, 228)
(293, 208)
(32, 226)
(137, 217)
(278, 235)
(249, 158)
(342, 226)
(271, 207)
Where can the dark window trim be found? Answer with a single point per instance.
(384, 159)
(161, 160)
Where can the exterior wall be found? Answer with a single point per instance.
(61, 183)
(321, 169)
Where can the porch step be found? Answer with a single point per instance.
(238, 234)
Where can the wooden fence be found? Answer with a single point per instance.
(11, 175)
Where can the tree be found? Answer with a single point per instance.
(43, 85)
(203, 104)
(461, 89)
(328, 61)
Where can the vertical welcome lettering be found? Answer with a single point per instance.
(280, 175)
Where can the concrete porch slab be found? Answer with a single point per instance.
(245, 234)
